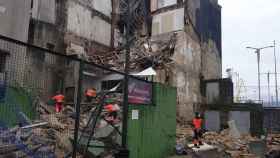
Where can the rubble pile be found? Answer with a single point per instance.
(236, 147)
(143, 53)
(273, 145)
(183, 134)
(53, 135)
(226, 144)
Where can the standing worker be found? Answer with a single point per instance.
(59, 99)
(197, 131)
(90, 93)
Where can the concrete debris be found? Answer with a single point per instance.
(233, 131)
(225, 142)
(144, 53)
(273, 145)
(246, 146)
(53, 135)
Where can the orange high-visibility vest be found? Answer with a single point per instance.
(197, 123)
(110, 108)
(59, 98)
(90, 93)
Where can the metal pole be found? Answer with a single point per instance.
(259, 79)
(77, 117)
(275, 69)
(268, 84)
(126, 70)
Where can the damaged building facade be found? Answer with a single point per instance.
(197, 53)
(73, 27)
(182, 36)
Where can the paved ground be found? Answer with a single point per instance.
(205, 151)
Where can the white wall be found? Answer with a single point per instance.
(82, 23)
(104, 6)
(165, 3)
(168, 22)
(157, 4)
(14, 18)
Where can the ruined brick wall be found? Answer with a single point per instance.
(188, 68)
(211, 61)
(184, 73)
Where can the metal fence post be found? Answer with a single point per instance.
(77, 118)
(126, 78)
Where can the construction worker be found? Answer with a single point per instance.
(90, 93)
(112, 112)
(197, 130)
(59, 100)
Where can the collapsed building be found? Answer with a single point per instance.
(179, 39)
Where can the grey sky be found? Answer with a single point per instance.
(250, 23)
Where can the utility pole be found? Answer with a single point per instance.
(268, 84)
(257, 51)
(126, 77)
(275, 69)
(259, 78)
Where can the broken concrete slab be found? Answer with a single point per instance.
(233, 131)
(205, 151)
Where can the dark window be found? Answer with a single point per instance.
(3, 58)
(50, 46)
(69, 94)
(107, 85)
(32, 3)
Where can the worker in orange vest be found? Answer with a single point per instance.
(90, 93)
(59, 100)
(112, 112)
(197, 130)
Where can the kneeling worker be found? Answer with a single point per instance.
(90, 93)
(112, 113)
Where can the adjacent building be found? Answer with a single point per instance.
(93, 29)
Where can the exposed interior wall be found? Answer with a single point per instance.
(44, 10)
(211, 61)
(14, 17)
(165, 3)
(168, 21)
(157, 4)
(104, 6)
(81, 22)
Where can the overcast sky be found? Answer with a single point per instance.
(250, 23)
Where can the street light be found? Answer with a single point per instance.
(257, 51)
(275, 71)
